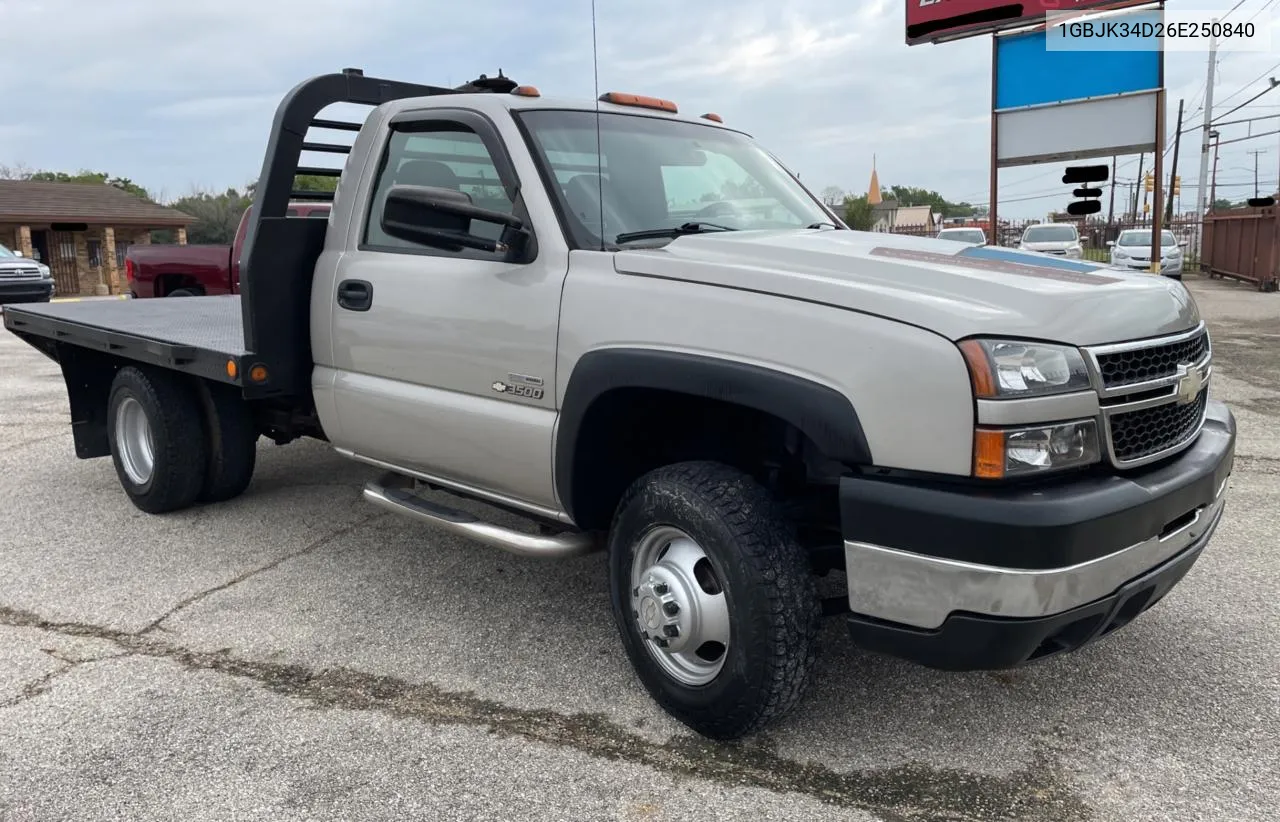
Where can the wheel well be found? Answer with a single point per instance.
(170, 282)
(627, 432)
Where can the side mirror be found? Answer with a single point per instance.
(1183, 243)
(1111, 243)
(441, 218)
(17, 253)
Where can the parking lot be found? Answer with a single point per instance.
(298, 654)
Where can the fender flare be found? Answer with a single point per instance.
(821, 413)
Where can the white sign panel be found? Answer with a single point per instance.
(1100, 127)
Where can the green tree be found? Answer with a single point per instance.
(857, 213)
(1221, 205)
(217, 215)
(93, 178)
(909, 195)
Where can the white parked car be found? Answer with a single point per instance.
(1061, 239)
(973, 236)
(1132, 250)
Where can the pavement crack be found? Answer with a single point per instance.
(41, 685)
(912, 792)
(276, 563)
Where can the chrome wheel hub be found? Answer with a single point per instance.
(679, 605)
(133, 441)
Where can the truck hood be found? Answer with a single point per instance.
(956, 291)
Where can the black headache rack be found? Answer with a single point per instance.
(280, 252)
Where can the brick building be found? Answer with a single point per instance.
(81, 231)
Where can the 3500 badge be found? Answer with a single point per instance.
(520, 385)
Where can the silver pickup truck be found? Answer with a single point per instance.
(638, 330)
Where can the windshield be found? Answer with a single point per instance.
(967, 235)
(5, 252)
(661, 174)
(1050, 234)
(1143, 238)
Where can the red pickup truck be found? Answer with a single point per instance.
(195, 270)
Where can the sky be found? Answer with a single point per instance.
(179, 96)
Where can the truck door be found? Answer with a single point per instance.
(443, 362)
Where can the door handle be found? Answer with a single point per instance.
(355, 295)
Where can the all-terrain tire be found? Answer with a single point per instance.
(774, 610)
(232, 443)
(175, 433)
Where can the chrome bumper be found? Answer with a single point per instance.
(922, 591)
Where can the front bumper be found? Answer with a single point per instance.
(1166, 267)
(25, 290)
(982, 579)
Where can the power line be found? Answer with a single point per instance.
(1233, 8)
(1242, 89)
(1254, 97)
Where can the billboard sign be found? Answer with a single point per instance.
(935, 21)
(1054, 105)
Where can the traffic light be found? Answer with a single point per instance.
(1149, 182)
(1177, 184)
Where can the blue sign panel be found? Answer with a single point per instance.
(1031, 70)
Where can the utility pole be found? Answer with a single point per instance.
(1111, 212)
(1140, 195)
(1173, 173)
(1213, 188)
(1255, 169)
(1203, 188)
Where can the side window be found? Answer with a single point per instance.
(444, 155)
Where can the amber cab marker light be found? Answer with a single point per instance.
(526, 91)
(622, 99)
(232, 370)
(715, 118)
(988, 454)
(984, 381)
(258, 373)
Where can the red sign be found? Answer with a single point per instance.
(934, 20)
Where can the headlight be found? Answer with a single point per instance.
(1011, 452)
(1000, 369)
(1118, 254)
(1074, 251)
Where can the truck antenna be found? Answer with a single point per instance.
(595, 69)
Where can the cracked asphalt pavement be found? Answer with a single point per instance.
(296, 654)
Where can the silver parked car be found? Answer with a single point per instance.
(1132, 250)
(1061, 239)
(967, 234)
(23, 280)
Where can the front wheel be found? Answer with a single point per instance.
(714, 598)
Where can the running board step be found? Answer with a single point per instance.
(386, 494)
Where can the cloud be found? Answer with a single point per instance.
(174, 94)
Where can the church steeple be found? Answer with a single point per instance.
(873, 190)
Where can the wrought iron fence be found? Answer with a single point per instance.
(1094, 236)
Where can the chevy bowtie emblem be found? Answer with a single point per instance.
(1189, 386)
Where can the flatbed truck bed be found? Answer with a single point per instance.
(199, 336)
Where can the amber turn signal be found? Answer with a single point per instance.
(258, 373)
(988, 453)
(622, 99)
(980, 373)
(232, 369)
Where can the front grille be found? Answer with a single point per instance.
(19, 272)
(1139, 434)
(1144, 364)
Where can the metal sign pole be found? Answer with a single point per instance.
(1157, 212)
(995, 151)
